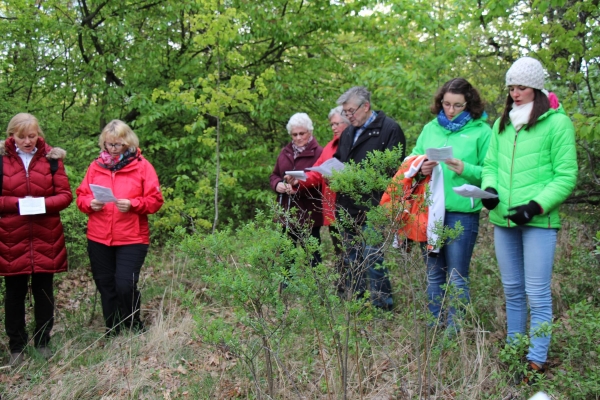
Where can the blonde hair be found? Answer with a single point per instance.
(120, 130)
(21, 122)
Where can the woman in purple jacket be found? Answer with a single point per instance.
(305, 206)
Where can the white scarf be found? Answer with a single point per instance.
(519, 115)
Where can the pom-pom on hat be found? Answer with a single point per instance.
(526, 71)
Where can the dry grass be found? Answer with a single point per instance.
(394, 356)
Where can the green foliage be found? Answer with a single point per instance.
(576, 343)
(578, 270)
(75, 227)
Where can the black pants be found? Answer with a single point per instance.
(315, 232)
(14, 309)
(116, 271)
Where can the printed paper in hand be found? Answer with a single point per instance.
(32, 206)
(474, 192)
(440, 154)
(327, 168)
(300, 175)
(103, 194)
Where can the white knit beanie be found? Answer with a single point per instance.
(526, 71)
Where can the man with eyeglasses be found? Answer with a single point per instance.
(369, 131)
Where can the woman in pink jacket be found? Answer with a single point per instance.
(118, 233)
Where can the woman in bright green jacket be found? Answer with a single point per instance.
(461, 123)
(532, 166)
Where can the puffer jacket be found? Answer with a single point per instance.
(470, 144)
(138, 182)
(315, 179)
(538, 164)
(307, 202)
(32, 243)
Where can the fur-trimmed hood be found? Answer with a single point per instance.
(54, 153)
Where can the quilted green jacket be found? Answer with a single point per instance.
(538, 164)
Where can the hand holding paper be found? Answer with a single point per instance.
(32, 206)
(103, 194)
(440, 154)
(326, 169)
(300, 175)
(467, 190)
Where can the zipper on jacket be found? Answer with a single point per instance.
(30, 218)
(512, 163)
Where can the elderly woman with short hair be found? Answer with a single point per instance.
(302, 152)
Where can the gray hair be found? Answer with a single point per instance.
(301, 120)
(359, 94)
(338, 111)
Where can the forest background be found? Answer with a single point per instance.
(209, 85)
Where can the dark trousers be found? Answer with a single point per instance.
(116, 271)
(314, 232)
(14, 309)
(362, 260)
(338, 248)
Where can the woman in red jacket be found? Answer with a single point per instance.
(338, 124)
(31, 242)
(118, 233)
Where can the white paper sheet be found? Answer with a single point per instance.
(467, 190)
(103, 194)
(32, 206)
(327, 168)
(439, 154)
(300, 175)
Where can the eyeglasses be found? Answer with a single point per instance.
(114, 145)
(456, 106)
(350, 113)
(336, 124)
(298, 134)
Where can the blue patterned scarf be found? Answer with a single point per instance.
(457, 123)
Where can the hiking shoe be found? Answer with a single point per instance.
(533, 373)
(45, 352)
(16, 359)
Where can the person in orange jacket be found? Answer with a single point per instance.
(118, 232)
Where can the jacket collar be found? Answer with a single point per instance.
(372, 130)
(10, 147)
(308, 151)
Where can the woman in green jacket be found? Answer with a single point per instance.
(461, 123)
(532, 167)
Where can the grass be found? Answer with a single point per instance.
(393, 356)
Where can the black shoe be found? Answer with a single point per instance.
(16, 359)
(45, 352)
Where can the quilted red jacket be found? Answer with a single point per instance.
(32, 243)
(138, 182)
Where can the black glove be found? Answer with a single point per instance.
(525, 213)
(490, 204)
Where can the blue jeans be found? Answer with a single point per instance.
(361, 257)
(451, 266)
(525, 256)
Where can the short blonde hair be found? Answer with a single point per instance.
(21, 122)
(120, 130)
